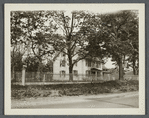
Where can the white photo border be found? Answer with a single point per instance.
(90, 111)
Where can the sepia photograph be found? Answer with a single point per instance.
(74, 59)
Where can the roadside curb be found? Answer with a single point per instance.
(65, 99)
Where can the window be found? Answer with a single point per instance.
(62, 63)
(75, 72)
(87, 72)
(86, 62)
(89, 63)
(62, 73)
(62, 54)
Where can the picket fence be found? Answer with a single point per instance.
(49, 77)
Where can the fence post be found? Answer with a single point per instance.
(101, 75)
(44, 78)
(23, 75)
(109, 77)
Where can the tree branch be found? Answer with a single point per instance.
(64, 23)
(80, 58)
(59, 25)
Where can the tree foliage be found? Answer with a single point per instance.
(29, 28)
(78, 35)
(120, 35)
(72, 42)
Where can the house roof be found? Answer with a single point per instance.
(94, 59)
(59, 52)
(77, 48)
(95, 69)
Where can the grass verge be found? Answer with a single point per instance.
(18, 92)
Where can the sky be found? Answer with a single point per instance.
(109, 64)
(102, 11)
(95, 8)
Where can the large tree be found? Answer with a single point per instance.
(78, 34)
(120, 31)
(72, 41)
(94, 35)
(29, 28)
(114, 35)
(39, 30)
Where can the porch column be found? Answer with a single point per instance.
(101, 75)
(96, 75)
(109, 77)
(44, 78)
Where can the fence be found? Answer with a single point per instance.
(49, 77)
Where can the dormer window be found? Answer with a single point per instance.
(88, 63)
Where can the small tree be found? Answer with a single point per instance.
(16, 51)
(48, 67)
(16, 60)
(31, 63)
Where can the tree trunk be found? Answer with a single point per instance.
(39, 71)
(120, 68)
(137, 73)
(70, 73)
(70, 68)
(13, 73)
(134, 68)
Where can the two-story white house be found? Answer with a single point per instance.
(86, 66)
